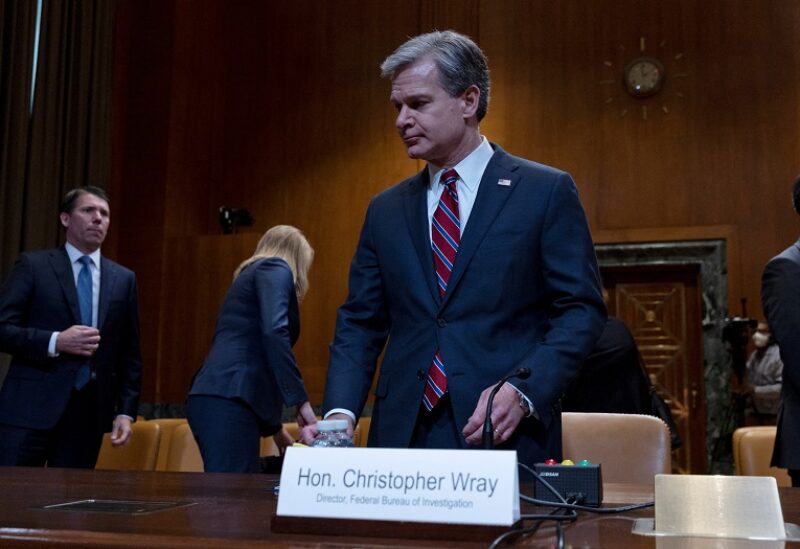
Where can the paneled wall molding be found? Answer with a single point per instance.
(727, 233)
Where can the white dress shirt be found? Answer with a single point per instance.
(74, 256)
(470, 171)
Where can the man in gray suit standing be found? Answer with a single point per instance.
(70, 319)
(780, 296)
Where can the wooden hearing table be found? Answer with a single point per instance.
(222, 511)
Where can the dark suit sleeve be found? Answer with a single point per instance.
(129, 362)
(28, 342)
(574, 301)
(276, 295)
(362, 326)
(780, 296)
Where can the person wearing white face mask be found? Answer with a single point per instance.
(764, 372)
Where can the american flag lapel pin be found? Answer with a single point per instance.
(504, 182)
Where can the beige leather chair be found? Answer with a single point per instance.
(268, 446)
(752, 453)
(358, 435)
(363, 431)
(183, 455)
(138, 454)
(167, 426)
(629, 447)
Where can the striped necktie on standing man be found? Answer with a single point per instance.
(445, 239)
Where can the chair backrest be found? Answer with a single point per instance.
(629, 447)
(138, 454)
(268, 446)
(183, 455)
(167, 426)
(363, 431)
(752, 453)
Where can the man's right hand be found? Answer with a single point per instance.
(309, 432)
(78, 340)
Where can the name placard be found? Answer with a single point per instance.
(442, 486)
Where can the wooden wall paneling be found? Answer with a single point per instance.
(329, 147)
(231, 104)
(741, 163)
(196, 123)
(140, 112)
(295, 126)
(720, 133)
(458, 15)
(541, 58)
(198, 274)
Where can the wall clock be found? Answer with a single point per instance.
(634, 78)
(643, 76)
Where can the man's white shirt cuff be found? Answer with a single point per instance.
(341, 411)
(51, 347)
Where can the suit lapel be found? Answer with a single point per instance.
(108, 279)
(490, 200)
(416, 212)
(59, 261)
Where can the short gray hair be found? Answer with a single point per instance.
(460, 61)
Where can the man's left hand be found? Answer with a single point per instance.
(121, 432)
(506, 415)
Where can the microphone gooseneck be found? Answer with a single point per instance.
(488, 434)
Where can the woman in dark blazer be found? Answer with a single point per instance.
(250, 374)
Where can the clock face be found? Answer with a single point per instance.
(644, 76)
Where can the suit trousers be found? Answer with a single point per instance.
(437, 429)
(73, 442)
(227, 431)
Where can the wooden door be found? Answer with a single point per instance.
(661, 306)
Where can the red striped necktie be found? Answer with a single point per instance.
(445, 239)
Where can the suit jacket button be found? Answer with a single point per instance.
(441, 322)
(421, 375)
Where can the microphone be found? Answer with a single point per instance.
(488, 435)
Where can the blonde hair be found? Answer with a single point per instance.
(289, 244)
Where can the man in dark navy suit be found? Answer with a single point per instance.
(70, 319)
(780, 296)
(480, 264)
